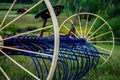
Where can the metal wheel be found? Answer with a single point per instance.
(10, 54)
(94, 29)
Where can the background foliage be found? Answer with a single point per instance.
(109, 9)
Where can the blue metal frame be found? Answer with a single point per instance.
(76, 56)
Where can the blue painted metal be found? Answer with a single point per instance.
(76, 56)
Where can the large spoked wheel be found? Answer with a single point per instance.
(9, 21)
(94, 29)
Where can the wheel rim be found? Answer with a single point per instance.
(94, 29)
(53, 27)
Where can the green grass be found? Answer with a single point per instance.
(25, 21)
(16, 6)
(13, 71)
(109, 71)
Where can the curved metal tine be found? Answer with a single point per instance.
(27, 51)
(49, 45)
(78, 64)
(60, 60)
(59, 76)
(39, 66)
(54, 76)
(87, 66)
(47, 71)
(75, 67)
(57, 73)
(41, 58)
(36, 45)
(93, 57)
(84, 67)
(7, 13)
(81, 67)
(96, 60)
(4, 73)
(96, 57)
(43, 46)
(35, 62)
(67, 67)
(75, 62)
(67, 51)
(31, 55)
(71, 67)
(63, 68)
(36, 30)
(32, 44)
(19, 65)
(85, 62)
(21, 15)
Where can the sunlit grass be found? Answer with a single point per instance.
(109, 71)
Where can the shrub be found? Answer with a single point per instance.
(11, 29)
(114, 22)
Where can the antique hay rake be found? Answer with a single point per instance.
(68, 53)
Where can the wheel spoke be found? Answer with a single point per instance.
(4, 73)
(80, 25)
(74, 26)
(91, 30)
(26, 51)
(86, 26)
(100, 35)
(20, 65)
(96, 31)
(91, 27)
(71, 32)
(36, 30)
(21, 15)
(103, 58)
(103, 48)
(100, 41)
(7, 13)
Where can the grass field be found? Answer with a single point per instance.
(15, 7)
(109, 71)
